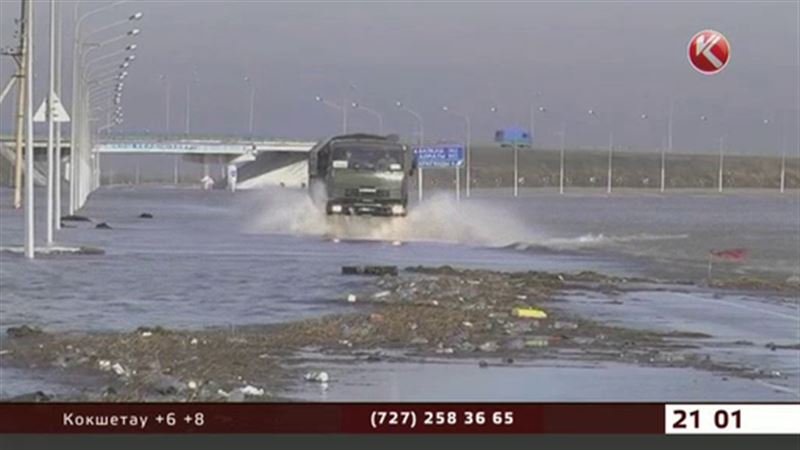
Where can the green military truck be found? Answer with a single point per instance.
(361, 174)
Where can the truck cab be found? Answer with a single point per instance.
(361, 174)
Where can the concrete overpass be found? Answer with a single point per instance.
(261, 162)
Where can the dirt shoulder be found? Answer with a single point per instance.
(489, 316)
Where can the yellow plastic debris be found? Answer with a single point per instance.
(529, 313)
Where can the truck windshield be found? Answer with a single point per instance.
(367, 158)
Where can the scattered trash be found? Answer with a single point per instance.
(397, 243)
(252, 391)
(435, 303)
(381, 294)
(483, 364)
(75, 218)
(119, 370)
(146, 333)
(193, 341)
(489, 347)
(104, 364)
(24, 331)
(103, 226)
(336, 240)
(467, 324)
(445, 350)
(538, 341)
(376, 318)
(145, 215)
(319, 377)
(369, 270)
(582, 340)
(192, 385)
(345, 342)
(4, 352)
(522, 297)
(565, 325)
(419, 341)
(413, 326)
(351, 298)
(529, 313)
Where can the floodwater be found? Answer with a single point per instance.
(215, 258)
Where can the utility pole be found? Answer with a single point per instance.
(21, 58)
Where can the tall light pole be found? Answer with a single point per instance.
(249, 81)
(610, 154)
(51, 92)
(188, 118)
(400, 105)
(378, 115)
(339, 108)
(783, 156)
(57, 156)
(468, 146)
(29, 230)
(167, 103)
(721, 162)
(79, 125)
(669, 147)
(534, 110)
(515, 152)
(561, 173)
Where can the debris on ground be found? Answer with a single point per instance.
(103, 226)
(145, 215)
(23, 331)
(370, 270)
(319, 377)
(427, 312)
(75, 218)
(529, 313)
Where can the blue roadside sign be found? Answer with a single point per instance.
(513, 136)
(439, 156)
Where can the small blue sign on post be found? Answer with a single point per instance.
(513, 136)
(439, 156)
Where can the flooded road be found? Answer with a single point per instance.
(212, 258)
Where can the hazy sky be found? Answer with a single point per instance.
(621, 59)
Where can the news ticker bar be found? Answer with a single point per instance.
(367, 418)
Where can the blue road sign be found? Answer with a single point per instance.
(439, 156)
(513, 136)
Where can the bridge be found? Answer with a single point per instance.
(260, 162)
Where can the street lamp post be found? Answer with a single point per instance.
(339, 108)
(400, 105)
(248, 81)
(561, 174)
(782, 145)
(79, 125)
(51, 92)
(515, 152)
(29, 230)
(467, 149)
(610, 155)
(378, 115)
(721, 162)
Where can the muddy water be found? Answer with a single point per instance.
(215, 258)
